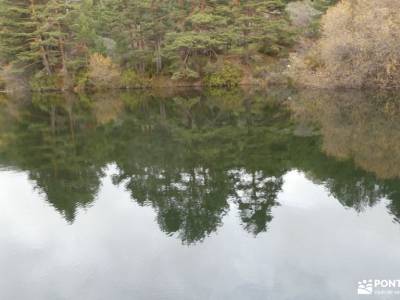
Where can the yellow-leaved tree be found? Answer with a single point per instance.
(359, 47)
(103, 73)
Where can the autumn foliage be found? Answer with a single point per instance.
(359, 47)
(103, 73)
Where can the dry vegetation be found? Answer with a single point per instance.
(103, 73)
(362, 127)
(359, 47)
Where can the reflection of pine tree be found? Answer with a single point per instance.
(189, 203)
(357, 192)
(256, 194)
(361, 129)
(186, 175)
(68, 190)
(392, 192)
(61, 164)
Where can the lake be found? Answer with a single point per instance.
(218, 194)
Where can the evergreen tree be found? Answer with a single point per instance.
(185, 39)
(17, 30)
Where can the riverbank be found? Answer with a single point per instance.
(202, 43)
(271, 72)
(206, 48)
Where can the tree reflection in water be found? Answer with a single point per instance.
(190, 155)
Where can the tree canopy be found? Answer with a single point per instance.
(50, 41)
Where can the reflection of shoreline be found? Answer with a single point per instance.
(163, 159)
(356, 126)
(186, 156)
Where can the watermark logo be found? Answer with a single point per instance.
(379, 287)
(365, 287)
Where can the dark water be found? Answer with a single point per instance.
(199, 195)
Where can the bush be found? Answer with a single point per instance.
(130, 79)
(103, 73)
(186, 74)
(229, 76)
(12, 80)
(81, 81)
(43, 82)
(358, 48)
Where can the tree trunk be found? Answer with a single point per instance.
(64, 69)
(43, 52)
(159, 58)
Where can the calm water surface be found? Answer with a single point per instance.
(199, 195)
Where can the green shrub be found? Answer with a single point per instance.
(314, 29)
(271, 50)
(81, 81)
(130, 80)
(261, 71)
(43, 82)
(229, 75)
(186, 74)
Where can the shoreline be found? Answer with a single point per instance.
(189, 86)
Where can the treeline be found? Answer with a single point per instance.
(80, 44)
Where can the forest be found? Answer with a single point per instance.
(103, 44)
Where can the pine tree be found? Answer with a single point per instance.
(262, 23)
(53, 28)
(202, 37)
(35, 35)
(17, 31)
(55, 38)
